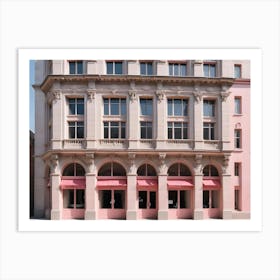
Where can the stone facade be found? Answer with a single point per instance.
(160, 140)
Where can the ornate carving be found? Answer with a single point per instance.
(224, 95)
(114, 91)
(132, 95)
(197, 93)
(160, 95)
(225, 163)
(91, 93)
(54, 94)
(89, 160)
(54, 163)
(131, 161)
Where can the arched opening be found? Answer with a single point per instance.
(147, 185)
(112, 185)
(180, 191)
(73, 185)
(211, 191)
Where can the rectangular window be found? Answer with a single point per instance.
(119, 199)
(178, 199)
(211, 199)
(237, 138)
(237, 105)
(76, 67)
(76, 106)
(146, 68)
(177, 130)
(146, 130)
(209, 70)
(209, 108)
(208, 131)
(236, 199)
(177, 69)
(146, 107)
(114, 68)
(74, 199)
(172, 199)
(147, 200)
(114, 130)
(177, 107)
(114, 106)
(76, 130)
(236, 169)
(237, 71)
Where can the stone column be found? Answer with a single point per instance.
(90, 213)
(160, 123)
(131, 212)
(225, 118)
(90, 116)
(198, 118)
(57, 195)
(58, 120)
(227, 190)
(162, 189)
(133, 119)
(198, 190)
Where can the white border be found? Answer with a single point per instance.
(26, 224)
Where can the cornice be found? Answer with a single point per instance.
(51, 79)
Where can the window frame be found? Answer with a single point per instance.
(75, 103)
(238, 139)
(209, 108)
(237, 66)
(183, 130)
(171, 69)
(208, 73)
(146, 72)
(122, 106)
(146, 106)
(238, 108)
(210, 199)
(121, 126)
(76, 70)
(148, 127)
(171, 103)
(210, 126)
(76, 126)
(178, 197)
(148, 199)
(114, 67)
(112, 201)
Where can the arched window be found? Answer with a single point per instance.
(210, 171)
(146, 170)
(112, 169)
(179, 169)
(73, 169)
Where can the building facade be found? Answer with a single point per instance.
(151, 139)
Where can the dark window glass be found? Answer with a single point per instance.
(178, 107)
(146, 170)
(80, 199)
(115, 106)
(72, 106)
(119, 199)
(150, 68)
(146, 106)
(237, 107)
(214, 199)
(69, 170)
(185, 131)
(173, 170)
(142, 199)
(236, 199)
(170, 107)
(79, 170)
(183, 70)
(109, 67)
(70, 199)
(183, 201)
(118, 68)
(146, 130)
(209, 108)
(237, 134)
(106, 106)
(114, 130)
(184, 170)
(105, 170)
(142, 170)
(143, 68)
(123, 130)
(80, 106)
(237, 71)
(123, 106)
(169, 132)
(71, 131)
(72, 68)
(172, 199)
(236, 169)
(212, 70)
(118, 170)
(106, 130)
(205, 199)
(151, 171)
(210, 170)
(177, 130)
(79, 67)
(153, 202)
(106, 197)
(176, 70)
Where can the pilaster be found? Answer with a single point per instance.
(57, 201)
(90, 116)
(198, 118)
(162, 189)
(198, 189)
(225, 118)
(161, 113)
(228, 191)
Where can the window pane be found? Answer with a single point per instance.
(153, 203)
(170, 69)
(105, 170)
(212, 70)
(142, 170)
(106, 106)
(185, 107)
(236, 169)
(123, 107)
(236, 199)
(71, 132)
(69, 170)
(237, 102)
(106, 130)
(206, 70)
(150, 69)
(80, 131)
(149, 107)
(173, 170)
(80, 109)
(237, 71)
(109, 67)
(72, 108)
(206, 171)
(142, 199)
(172, 199)
(149, 130)
(123, 130)
(205, 199)
(70, 196)
(143, 131)
(143, 69)
(79, 67)
(150, 171)
(105, 198)
(185, 131)
(183, 70)
(169, 131)
(118, 170)
(183, 202)
(114, 132)
(115, 105)
(79, 170)
(72, 69)
(143, 106)
(177, 132)
(213, 171)
(184, 170)
(206, 132)
(119, 199)
(177, 107)
(176, 70)
(170, 107)
(80, 199)
(118, 68)
(212, 136)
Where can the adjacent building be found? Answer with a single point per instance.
(142, 139)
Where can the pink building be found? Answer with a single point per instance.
(142, 139)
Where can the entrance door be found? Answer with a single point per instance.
(147, 204)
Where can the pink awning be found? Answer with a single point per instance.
(147, 183)
(73, 184)
(211, 183)
(180, 183)
(112, 183)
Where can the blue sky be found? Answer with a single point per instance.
(31, 96)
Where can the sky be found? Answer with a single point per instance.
(31, 96)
